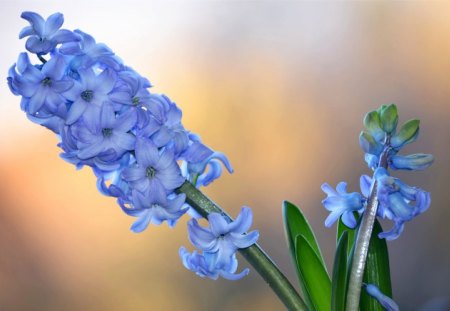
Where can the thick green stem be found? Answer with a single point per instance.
(254, 254)
(362, 244)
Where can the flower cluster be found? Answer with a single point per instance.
(107, 119)
(219, 243)
(397, 201)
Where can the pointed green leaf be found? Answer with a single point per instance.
(377, 270)
(340, 273)
(314, 279)
(295, 223)
(341, 228)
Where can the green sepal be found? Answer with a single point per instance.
(295, 223)
(377, 270)
(407, 134)
(340, 274)
(314, 279)
(372, 123)
(389, 118)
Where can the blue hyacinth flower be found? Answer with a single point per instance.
(398, 202)
(387, 302)
(219, 242)
(153, 169)
(44, 35)
(340, 203)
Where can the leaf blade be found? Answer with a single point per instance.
(316, 284)
(340, 274)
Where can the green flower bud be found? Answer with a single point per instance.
(412, 162)
(369, 144)
(372, 123)
(389, 118)
(407, 134)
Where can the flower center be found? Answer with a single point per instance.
(87, 95)
(47, 82)
(135, 100)
(150, 172)
(107, 132)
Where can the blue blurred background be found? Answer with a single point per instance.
(281, 88)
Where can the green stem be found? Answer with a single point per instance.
(254, 254)
(362, 244)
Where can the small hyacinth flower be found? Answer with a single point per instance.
(387, 302)
(398, 202)
(89, 94)
(109, 133)
(201, 265)
(198, 158)
(154, 208)
(88, 52)
(340, 203)
(45, 35)
(43, 87)
(220, 241)
(153, 170)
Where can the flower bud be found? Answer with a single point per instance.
(407, 134)
(372, 123)
(413, 162)
(389, 118)
(369, 144)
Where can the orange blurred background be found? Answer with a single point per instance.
(281, 88)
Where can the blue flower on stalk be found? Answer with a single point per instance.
(41, 86)
(88, 52)
(219, 243)
(398, 202)
(45, 35)
(88, 94)
(201, 265)
(108, 134)
(340, 203)
(154, 208)
(387, 303)
(164, 124)
(198, 158)
(153, 169)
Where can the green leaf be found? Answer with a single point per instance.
(340, 274)
(341, 228)
(295, 223)
(314, 279)
(377, 270)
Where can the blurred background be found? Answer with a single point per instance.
(281, 88)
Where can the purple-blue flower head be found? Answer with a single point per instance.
(153, 169)
(108, 133)
(44, 35)
(198, 158)
(89, 94)
(88, 52)
(340, 203)
(43, 87)
(398, 202)
(219, 243)
(154, 208)
(222, 238)
(201, 265)
(107, 118)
